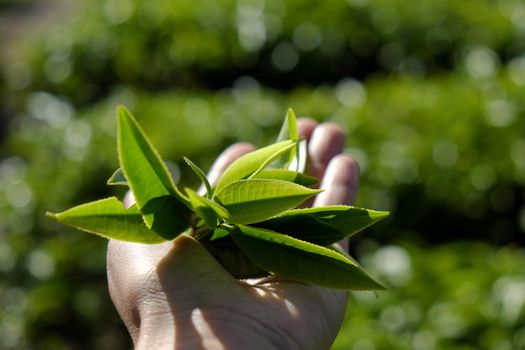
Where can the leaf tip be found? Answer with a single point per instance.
(189, 162)
(123, 114)
(121, 110)
(52, 215)
(374, 285)
(377, 287)
(317, 191)
(380, 215)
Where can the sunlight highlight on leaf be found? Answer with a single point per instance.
(250, 201)
(252, 162)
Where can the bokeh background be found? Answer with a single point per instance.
(431, 94)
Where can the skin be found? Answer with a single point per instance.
(175, 295)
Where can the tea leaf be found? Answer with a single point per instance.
(304, 227)
(298, 163)
(108, 218)
(252, 162)
(301, 261)
(118, 178)
(205, 213)
(254, 200)
(144, 169)
(201, 175)
(218, 233)
(270, 159)
(347, 219)
(219, 209)
(287, 175)
(206, 209)
(289, 129)
(166, 215)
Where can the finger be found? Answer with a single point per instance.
(306, 127)
(129, 199)
(340, 182)
(226, 158)
(327, 141)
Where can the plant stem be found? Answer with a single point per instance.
(199, 233)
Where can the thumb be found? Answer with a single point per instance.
(189, 268)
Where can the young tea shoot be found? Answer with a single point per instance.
(248, 220)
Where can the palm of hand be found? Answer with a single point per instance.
(176, 295)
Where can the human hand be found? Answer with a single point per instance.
(176, 295)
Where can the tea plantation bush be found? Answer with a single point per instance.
(431, 97)
(162, 44)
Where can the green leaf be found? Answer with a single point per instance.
(289, 131)
(298, 163)
(118, 178)
(218, 233)
(301, 261)
(287, 175)
(252, 162)
(201, 175)
(216, 207)
(304, 227)
(166, 215)
(289, 128)
(146, 173)
(324, 225)
(250, 201)
(206, 209)
(347, 219)
(108, 218)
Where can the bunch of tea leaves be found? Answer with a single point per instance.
(247, 221)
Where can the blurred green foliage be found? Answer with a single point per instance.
(430, 93)
(458, 301)
(163, 44)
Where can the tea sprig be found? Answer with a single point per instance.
(248, 221)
